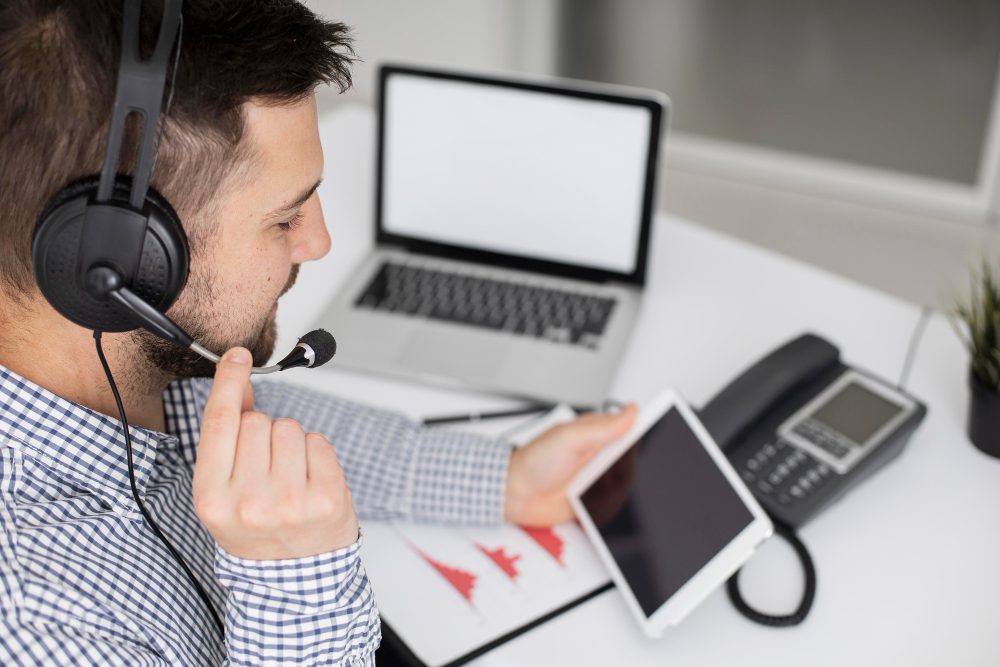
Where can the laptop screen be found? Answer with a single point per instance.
(524, 171)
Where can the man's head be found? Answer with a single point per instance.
(239, 160)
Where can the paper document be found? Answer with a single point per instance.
(447, 591)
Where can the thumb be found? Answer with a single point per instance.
(596, 430)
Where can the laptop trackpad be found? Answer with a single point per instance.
(462, 354)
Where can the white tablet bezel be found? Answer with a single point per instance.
(713, 573)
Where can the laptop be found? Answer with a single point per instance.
(512, 231)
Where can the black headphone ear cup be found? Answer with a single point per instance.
(160, 272)
(165, 262)
(84, 186)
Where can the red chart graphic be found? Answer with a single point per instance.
(460, 580)
(503, 561)
(547, 539)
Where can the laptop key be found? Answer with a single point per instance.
(530, 310)
(557, 334)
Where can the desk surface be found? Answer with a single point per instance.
(906, 569)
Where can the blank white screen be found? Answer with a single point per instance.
(516, 172)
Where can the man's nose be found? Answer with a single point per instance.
(312, 240)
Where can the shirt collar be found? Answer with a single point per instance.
(87, 447)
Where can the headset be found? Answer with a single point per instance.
(109, 252)
(111, 234)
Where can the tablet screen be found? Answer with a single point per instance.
(664, 510)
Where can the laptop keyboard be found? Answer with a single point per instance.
(574, 318)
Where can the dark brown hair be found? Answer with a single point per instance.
(58, 65)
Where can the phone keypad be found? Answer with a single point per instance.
(785, 472)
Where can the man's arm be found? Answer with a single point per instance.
(273, 497)
(317, 610)
(397, 468)
(29, 644)
(328, 596)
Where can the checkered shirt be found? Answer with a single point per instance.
(84, 581)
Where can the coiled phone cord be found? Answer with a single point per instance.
(808, 594)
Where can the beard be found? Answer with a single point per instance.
(177, 363)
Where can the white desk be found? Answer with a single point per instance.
(907, 563)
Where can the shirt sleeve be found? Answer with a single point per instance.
(395, 467)
(317, 610)
(308, 612)
(27, 644)
(311, 611)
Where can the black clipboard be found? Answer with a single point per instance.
(399, 647)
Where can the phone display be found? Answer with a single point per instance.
(855, 412)
(847, 420)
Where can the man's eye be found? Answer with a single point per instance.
(291, 223)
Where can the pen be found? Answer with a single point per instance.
(480, 416)
(517, 412)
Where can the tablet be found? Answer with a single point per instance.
(666, 513)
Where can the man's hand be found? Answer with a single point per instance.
(264, 489)
(541, 470)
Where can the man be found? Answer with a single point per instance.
(245, 482)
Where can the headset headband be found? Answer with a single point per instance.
(140, 90)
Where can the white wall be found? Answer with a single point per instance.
(477, 34)
(916, 256)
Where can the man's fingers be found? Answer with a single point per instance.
(253, 453)
(248, 397)
(220, 426)
(288, 452)
(321, 460)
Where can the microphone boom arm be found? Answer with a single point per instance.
(314, 349)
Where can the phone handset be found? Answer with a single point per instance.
(756, 391)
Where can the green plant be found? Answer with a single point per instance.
(981, 315)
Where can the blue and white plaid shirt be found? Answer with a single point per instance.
(83, 581)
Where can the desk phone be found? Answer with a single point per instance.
(802, 428)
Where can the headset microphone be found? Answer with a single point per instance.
(312, 351)
(104, 283)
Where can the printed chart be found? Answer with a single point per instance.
(447, 591)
